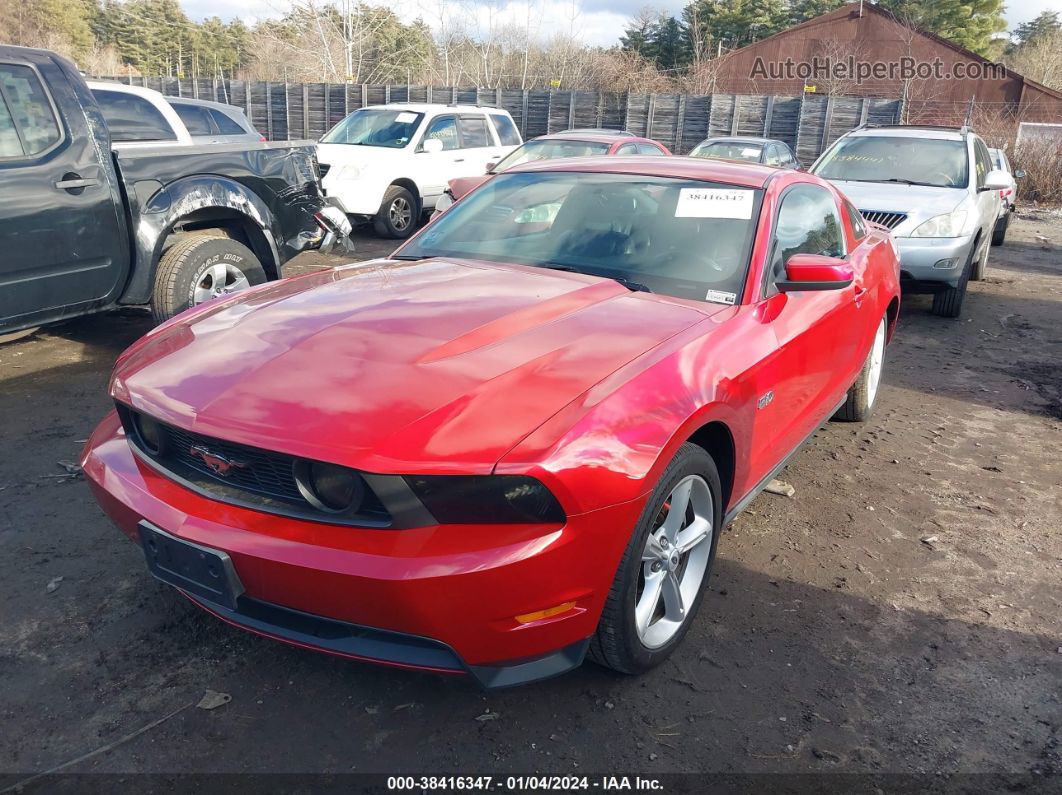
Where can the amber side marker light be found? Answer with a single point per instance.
(538, 615)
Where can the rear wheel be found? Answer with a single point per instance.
(397, 215)
(948, 302)
(201, 268)
(660, 581)
(999, 234)
(859, 404)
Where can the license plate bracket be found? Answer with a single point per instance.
(201, 571)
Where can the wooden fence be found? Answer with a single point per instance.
(808, 123)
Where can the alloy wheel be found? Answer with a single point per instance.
(218, 280)
(877, 359)
(674, 562)
(400, 212)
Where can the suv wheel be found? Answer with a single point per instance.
(201, 268)
(398, 214)
(948, 302)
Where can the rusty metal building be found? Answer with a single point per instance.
(862, 33)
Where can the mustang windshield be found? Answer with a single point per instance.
(549, 150)
(937, 162)
(390, 128)
(729, 150)
(683, 238)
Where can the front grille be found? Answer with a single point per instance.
(269, 474)
(255, 478)
(886, 219)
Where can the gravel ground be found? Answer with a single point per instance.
(902, 613)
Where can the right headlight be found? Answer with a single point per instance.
(486, 499)
(948, 225)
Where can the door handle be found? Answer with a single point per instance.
(459, 160)
(859, 293)
(76, 183)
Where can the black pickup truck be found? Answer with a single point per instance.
(84, 228)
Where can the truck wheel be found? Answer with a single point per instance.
(201, 268)
(859, 404)
(660, 581)
(999, 234)
(948, 302)
(397, 215)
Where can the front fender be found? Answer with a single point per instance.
(611, 445)
(158, 209)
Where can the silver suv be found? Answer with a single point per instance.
(935, 189)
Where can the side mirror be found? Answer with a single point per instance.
(996, 180)
(1019, 173)
(815, 272)
(431, 145)
(490, 167)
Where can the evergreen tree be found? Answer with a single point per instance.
(1038, 29)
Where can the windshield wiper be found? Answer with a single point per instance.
(406, 257)
(634, 287)
(903, 181)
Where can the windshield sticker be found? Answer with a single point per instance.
(406, 118)
(720, 297)
(750, 152)
(714, 203)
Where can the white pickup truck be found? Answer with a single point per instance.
(391, 163)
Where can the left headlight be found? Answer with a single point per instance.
(444, 202)
(329, 487)
(486, 499)
(948, 225)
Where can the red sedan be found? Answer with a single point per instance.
(569, 143)
(515, 442)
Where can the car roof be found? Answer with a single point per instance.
(741, 139)
(593, 137)
(204, 103)
(908, 132)
(734, 172)
(427, 108)
(125, 88)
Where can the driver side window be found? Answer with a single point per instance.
(807, 223)
(444, 128)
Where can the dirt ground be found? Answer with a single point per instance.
(902, 613)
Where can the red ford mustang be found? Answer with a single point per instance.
(515, 442)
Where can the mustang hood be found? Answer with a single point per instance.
(441, 366)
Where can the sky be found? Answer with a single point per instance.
(597, 22)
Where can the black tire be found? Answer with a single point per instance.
(999, 234)
(185, 265)
(861, 398)
(398, 214)
(948, 302)
(616, 644)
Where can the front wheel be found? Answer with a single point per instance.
(859, 403)
(397, 215)
(948, 301)
(660, 581)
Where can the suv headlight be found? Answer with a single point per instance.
(948, 225)
(345, 172)
(444, 201)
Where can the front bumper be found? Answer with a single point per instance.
(440, 598)
(933, 259)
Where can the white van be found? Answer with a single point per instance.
(390, 163)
